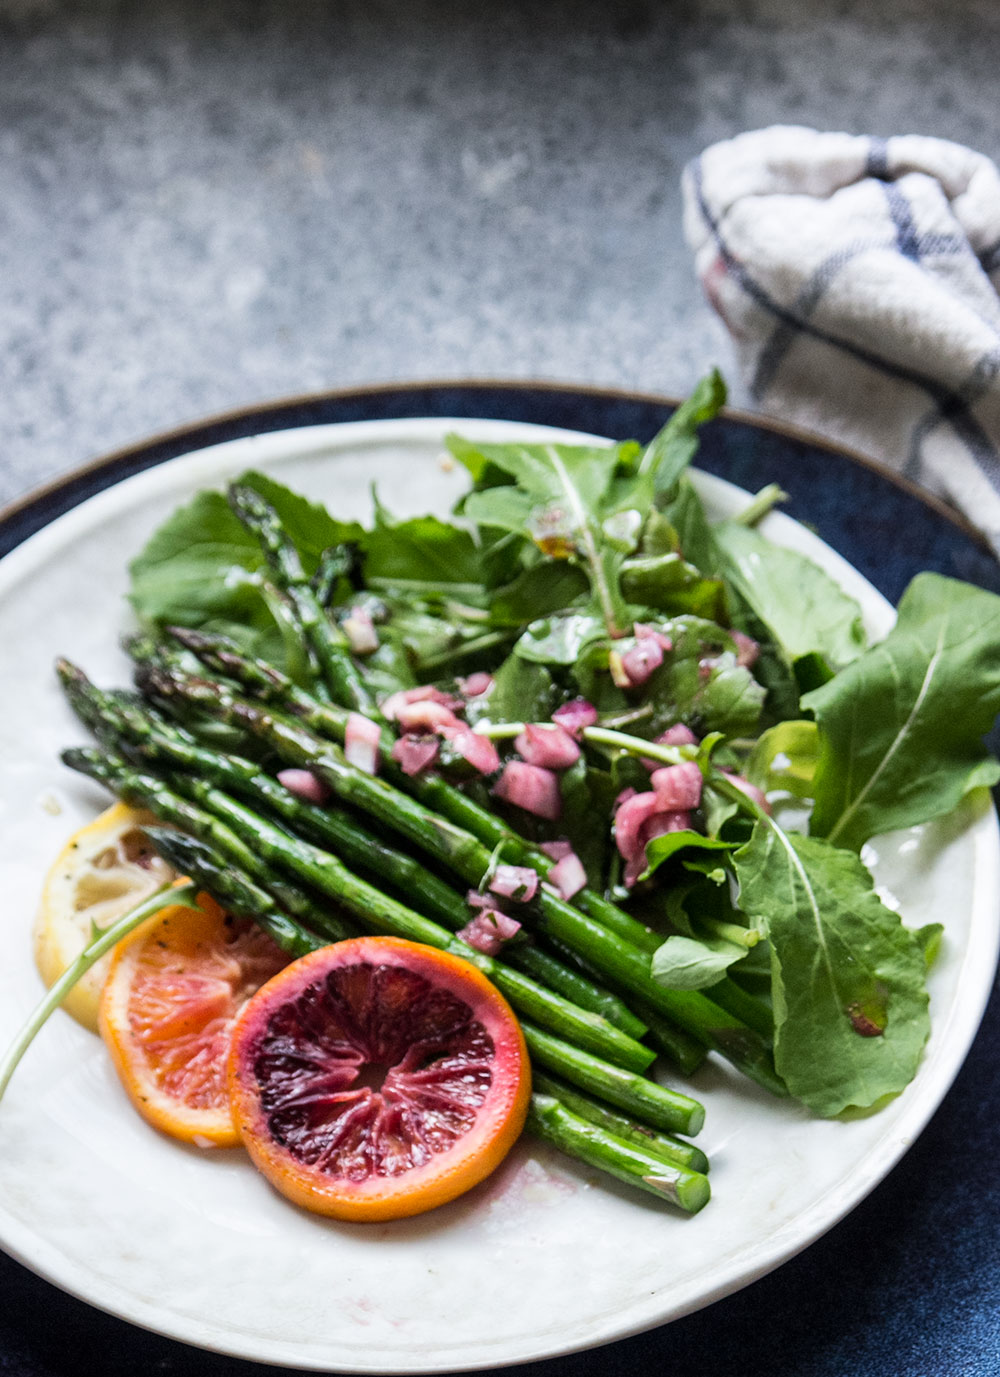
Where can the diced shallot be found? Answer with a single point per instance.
(361, 742)
(568, 875)
(677, 735)
(639, 662)
(489, 930)
(629, 820)
(476, 900)
(751, 790)
(304, 784)
(423, 693)
(425, 716)
(360, 631)
(476, 684)
(415, 753)
(517, 882)
(530, 787)
(551, 747)
(678, 786)
(556, 849)
(478, 751)
(747, 649)
(575, 715)
(645, 632)
(623, 797)
(656, 826)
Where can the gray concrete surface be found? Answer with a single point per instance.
(205, 203)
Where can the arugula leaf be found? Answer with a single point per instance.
(537, 592)
(820, 619)
(785, 757)
(688, 963)
(421, 550)
(522, 692)
(669, 585)
(701, 684)
(202, 568)
(560, 640)
(581, 502)
(850, 1007)
(670, 452)
(901, 728)
(587, 797)
(661, 849)
(693, 535)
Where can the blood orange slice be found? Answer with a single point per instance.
(167, 1012)
(378, 1078)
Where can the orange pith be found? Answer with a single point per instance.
(378, 1078)
(172, 995)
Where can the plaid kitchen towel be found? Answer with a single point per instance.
(858, 278)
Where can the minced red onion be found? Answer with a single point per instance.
(747, 649)
(630, 818)
(517, 882)
(360, 631)
(423, 693)
(556, 849)
(568, 875)
(478, 751)
(575, 715)
(548, 746)
(749, 789)
(678, 786)
(475, 685)
(489, 930)
(415, 753)
(304, 784)
(530, 787)
(656, 826)
(641, 661)
(361, 743)
(426, 715)
(644, 632)
(677, 735)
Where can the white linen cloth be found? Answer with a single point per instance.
(858, 278)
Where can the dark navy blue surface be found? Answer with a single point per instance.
(909, 1284)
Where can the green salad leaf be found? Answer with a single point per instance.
(670, 452)
(901, 729)
(819, 619)
(689, 963)
(203, 569)
(850, 1008)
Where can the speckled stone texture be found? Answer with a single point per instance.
(208, 204)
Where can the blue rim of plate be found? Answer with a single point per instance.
(884, 525)
(907, 1282)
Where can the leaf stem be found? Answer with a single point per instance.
(731, 932)
(759, 507)
(173, 893)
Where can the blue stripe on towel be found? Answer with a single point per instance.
(949, 403)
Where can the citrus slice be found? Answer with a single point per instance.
(104, 869)
(172, 995)
(378, 1078)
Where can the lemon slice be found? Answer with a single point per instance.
(104, 869)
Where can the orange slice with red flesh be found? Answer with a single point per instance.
(378, 1078)
(167, 1011)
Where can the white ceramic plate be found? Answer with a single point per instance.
(543, 1258)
